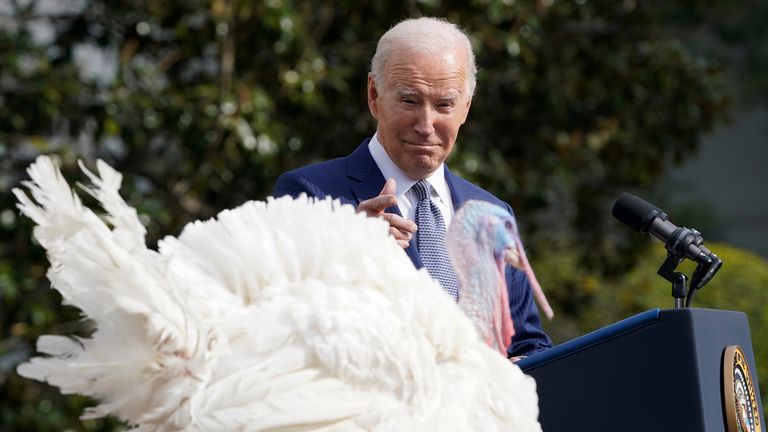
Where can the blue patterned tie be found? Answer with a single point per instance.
(430, 240)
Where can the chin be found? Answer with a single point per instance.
(422, 170)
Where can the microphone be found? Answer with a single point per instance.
(649, 219)
(680, 242)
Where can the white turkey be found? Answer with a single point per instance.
(279, 315)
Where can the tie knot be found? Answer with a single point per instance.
(421, 188)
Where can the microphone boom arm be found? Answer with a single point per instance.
(678, 279)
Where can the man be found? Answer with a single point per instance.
(419, 91)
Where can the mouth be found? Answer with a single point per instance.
(420, 144)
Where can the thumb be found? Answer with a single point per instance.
(375, 206)
(390, 187)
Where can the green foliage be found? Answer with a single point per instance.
(202, 103)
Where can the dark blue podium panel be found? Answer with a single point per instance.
(661, 370)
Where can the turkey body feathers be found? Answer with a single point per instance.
(278, 315)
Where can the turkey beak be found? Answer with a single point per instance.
(512, 257)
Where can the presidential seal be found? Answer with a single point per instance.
(741, 410)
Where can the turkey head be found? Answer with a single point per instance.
(482, 239)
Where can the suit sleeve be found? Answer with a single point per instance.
(529, 338)
(291, 183)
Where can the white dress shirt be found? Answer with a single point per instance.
(406, 198)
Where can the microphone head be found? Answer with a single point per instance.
(636, 212)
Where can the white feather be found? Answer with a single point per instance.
(278, 315)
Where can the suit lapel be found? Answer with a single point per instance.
(366, 181)
(458, 194)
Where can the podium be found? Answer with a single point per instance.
(661, 370)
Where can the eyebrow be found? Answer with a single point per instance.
(404, 92)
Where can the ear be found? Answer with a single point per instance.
(373, 97)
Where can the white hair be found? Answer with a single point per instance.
(424, 35)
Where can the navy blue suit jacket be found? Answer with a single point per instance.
(356, 178)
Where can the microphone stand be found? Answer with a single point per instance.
(678, 279)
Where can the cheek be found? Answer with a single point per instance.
(389, 111)
(401, 122)
(449, 126)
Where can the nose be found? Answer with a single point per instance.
(425, 120)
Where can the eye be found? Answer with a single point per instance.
(445, 106)
(508, 225)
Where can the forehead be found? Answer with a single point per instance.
(443, 73)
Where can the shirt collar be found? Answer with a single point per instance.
(388, 168)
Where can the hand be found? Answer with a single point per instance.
(401, 228)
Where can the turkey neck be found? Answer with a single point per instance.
(483, 295)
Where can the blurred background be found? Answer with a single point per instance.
(201, 104)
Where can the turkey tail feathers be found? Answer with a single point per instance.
(120, 285)
(127, 229)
